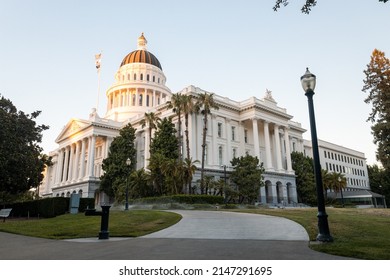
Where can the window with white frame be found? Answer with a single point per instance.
(219, 129)
(233, 133)
(220, 155)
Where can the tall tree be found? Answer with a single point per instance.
(304, 171)
(116, 171)
(306, 8)
(162, 149)
(21, 160)
(189, 107)
(205, 103)
(377, 85)
(151, 120)
(247, 175)
(379, 181)
(176, 104)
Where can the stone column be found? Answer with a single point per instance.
(241, 128)
(60, 159)
(228, 141)
(278, 150)
(82, 158)
(66, 165)
(214, 152)
(268, 161)
(256, 142)
(147, 147)
(76, 162)
(274, 194)
(199, 137)
(288, 151)
(71, 160)
(154, 99)
(91, 156)
(263, 195)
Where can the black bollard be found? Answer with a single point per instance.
(104, 233)
(105, 213)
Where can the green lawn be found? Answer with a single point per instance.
(121, 223)
(357, 233)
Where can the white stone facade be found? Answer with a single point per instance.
(256, 126)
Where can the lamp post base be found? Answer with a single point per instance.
(323, 228)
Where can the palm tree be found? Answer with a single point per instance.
(151, 120)
(176, 104)
(188, 107)
(205, 103)
(326, 181)
(339, 182)
(189, 169)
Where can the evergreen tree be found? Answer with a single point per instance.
(304, 171)
(247, 175)
(165, 141)
(377, 85)
(163, 150)
(21, 160)
(116, 171)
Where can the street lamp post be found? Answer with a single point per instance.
(308, 81)
(128, 163)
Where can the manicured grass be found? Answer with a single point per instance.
(357, 233)
(121, 224)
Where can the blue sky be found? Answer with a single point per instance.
(236, 49)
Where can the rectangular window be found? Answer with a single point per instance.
(219, 129)
(233, 133)
(234, 152)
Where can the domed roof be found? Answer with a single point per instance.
(141, 55)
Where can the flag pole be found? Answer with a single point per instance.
(98, 58)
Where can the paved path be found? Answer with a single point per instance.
(200, 235)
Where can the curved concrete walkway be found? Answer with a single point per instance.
(200, 235)
(232, 225)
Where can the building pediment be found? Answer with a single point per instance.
(73, 127)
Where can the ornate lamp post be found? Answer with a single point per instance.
(308, 81)
(128, 163)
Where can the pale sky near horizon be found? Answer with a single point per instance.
(236, 49)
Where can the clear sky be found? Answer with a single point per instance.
(236, 49)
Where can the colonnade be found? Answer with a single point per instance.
(277, 132)
(134, 97)
(77, 160)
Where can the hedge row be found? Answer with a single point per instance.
(47, 207)
(181, 198)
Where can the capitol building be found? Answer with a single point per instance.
(256, 126)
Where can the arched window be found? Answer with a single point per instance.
(147, 77)
(147, 100)
(142, 77)
(135, 76)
